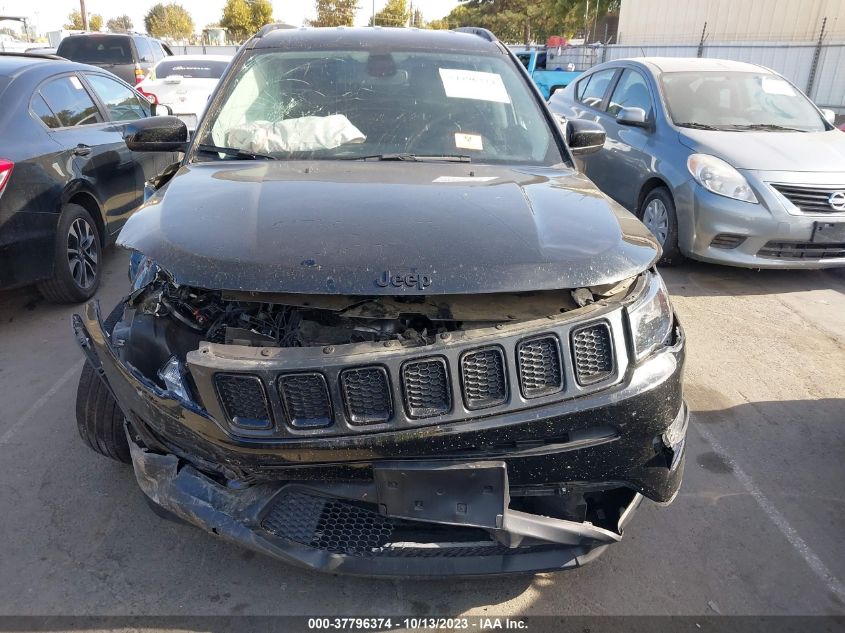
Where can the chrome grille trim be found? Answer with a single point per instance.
(809, 198)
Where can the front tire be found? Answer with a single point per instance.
(76, 260)
(657, 212)
(99, 418)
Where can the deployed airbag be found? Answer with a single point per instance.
(305, 134)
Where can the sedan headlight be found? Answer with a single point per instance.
(650, 317)
(717, 176)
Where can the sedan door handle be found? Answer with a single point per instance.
(81, 150)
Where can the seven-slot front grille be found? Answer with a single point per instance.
(426, 387)
(540, 371)
(366, 392)
(810, 199)
(306, 399)
(592, 352)
(451, 385)
(244, 400)
(483, 376)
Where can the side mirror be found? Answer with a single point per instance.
(829, 116)
(156, 134)
(160, 109)
(584, 137)
(632, 116)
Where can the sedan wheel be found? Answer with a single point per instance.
(78, 248)
(656, 218)
(82, 253)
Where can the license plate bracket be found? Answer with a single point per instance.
(828, 233)
(472, 494)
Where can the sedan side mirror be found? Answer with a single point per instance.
(632, 116)
(160, 109)
(584, 137)
(156, 134)
(829, 116)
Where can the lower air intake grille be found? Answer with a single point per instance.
(306, 399)
(483, 378)
(426, 384)
(540, 373)
(328, 524)
(592, 351)
(801, 250)
(243, 399)
(366, 393)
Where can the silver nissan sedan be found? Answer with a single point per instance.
(724, 161)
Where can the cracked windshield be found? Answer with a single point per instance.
(359, 105)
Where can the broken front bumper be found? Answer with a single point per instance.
(470, 498)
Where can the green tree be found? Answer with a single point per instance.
(120, 24)
(417, 19)
(242, 18)
(169, 20)
(95, 22)
(335, 13)
(395, 13)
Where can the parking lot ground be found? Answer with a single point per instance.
(756, 528)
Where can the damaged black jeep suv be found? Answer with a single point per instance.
(380, 324)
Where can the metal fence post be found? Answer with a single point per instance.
(814, 65)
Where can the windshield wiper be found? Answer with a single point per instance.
(420, 158)
(764, 126)
(240, 154)
(698, 126)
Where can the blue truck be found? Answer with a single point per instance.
(548, 80)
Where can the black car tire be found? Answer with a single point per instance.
(63, 287)
(99, 417)
(671, 252)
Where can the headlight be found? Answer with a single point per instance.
(650, 317)
(717, 176)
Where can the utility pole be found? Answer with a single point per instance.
(84, 14)
(374, 12)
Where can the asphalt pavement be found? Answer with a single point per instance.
(756, 529)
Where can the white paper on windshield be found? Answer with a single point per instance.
(76, 83)
(468, 141)
(776, 86)
(471, 84)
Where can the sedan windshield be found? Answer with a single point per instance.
(379, 105)
(738, 101)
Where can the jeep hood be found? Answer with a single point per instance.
(336, 226)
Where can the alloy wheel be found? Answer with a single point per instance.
(82, 253)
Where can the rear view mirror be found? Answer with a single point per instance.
(632, 116)
(156, 134)
(584, 137)
(829, 116)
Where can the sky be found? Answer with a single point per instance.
(50, 15)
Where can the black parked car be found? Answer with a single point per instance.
(380, 324)
(129, 56)
(68, 181)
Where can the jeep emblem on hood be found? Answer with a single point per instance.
(410, 280)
